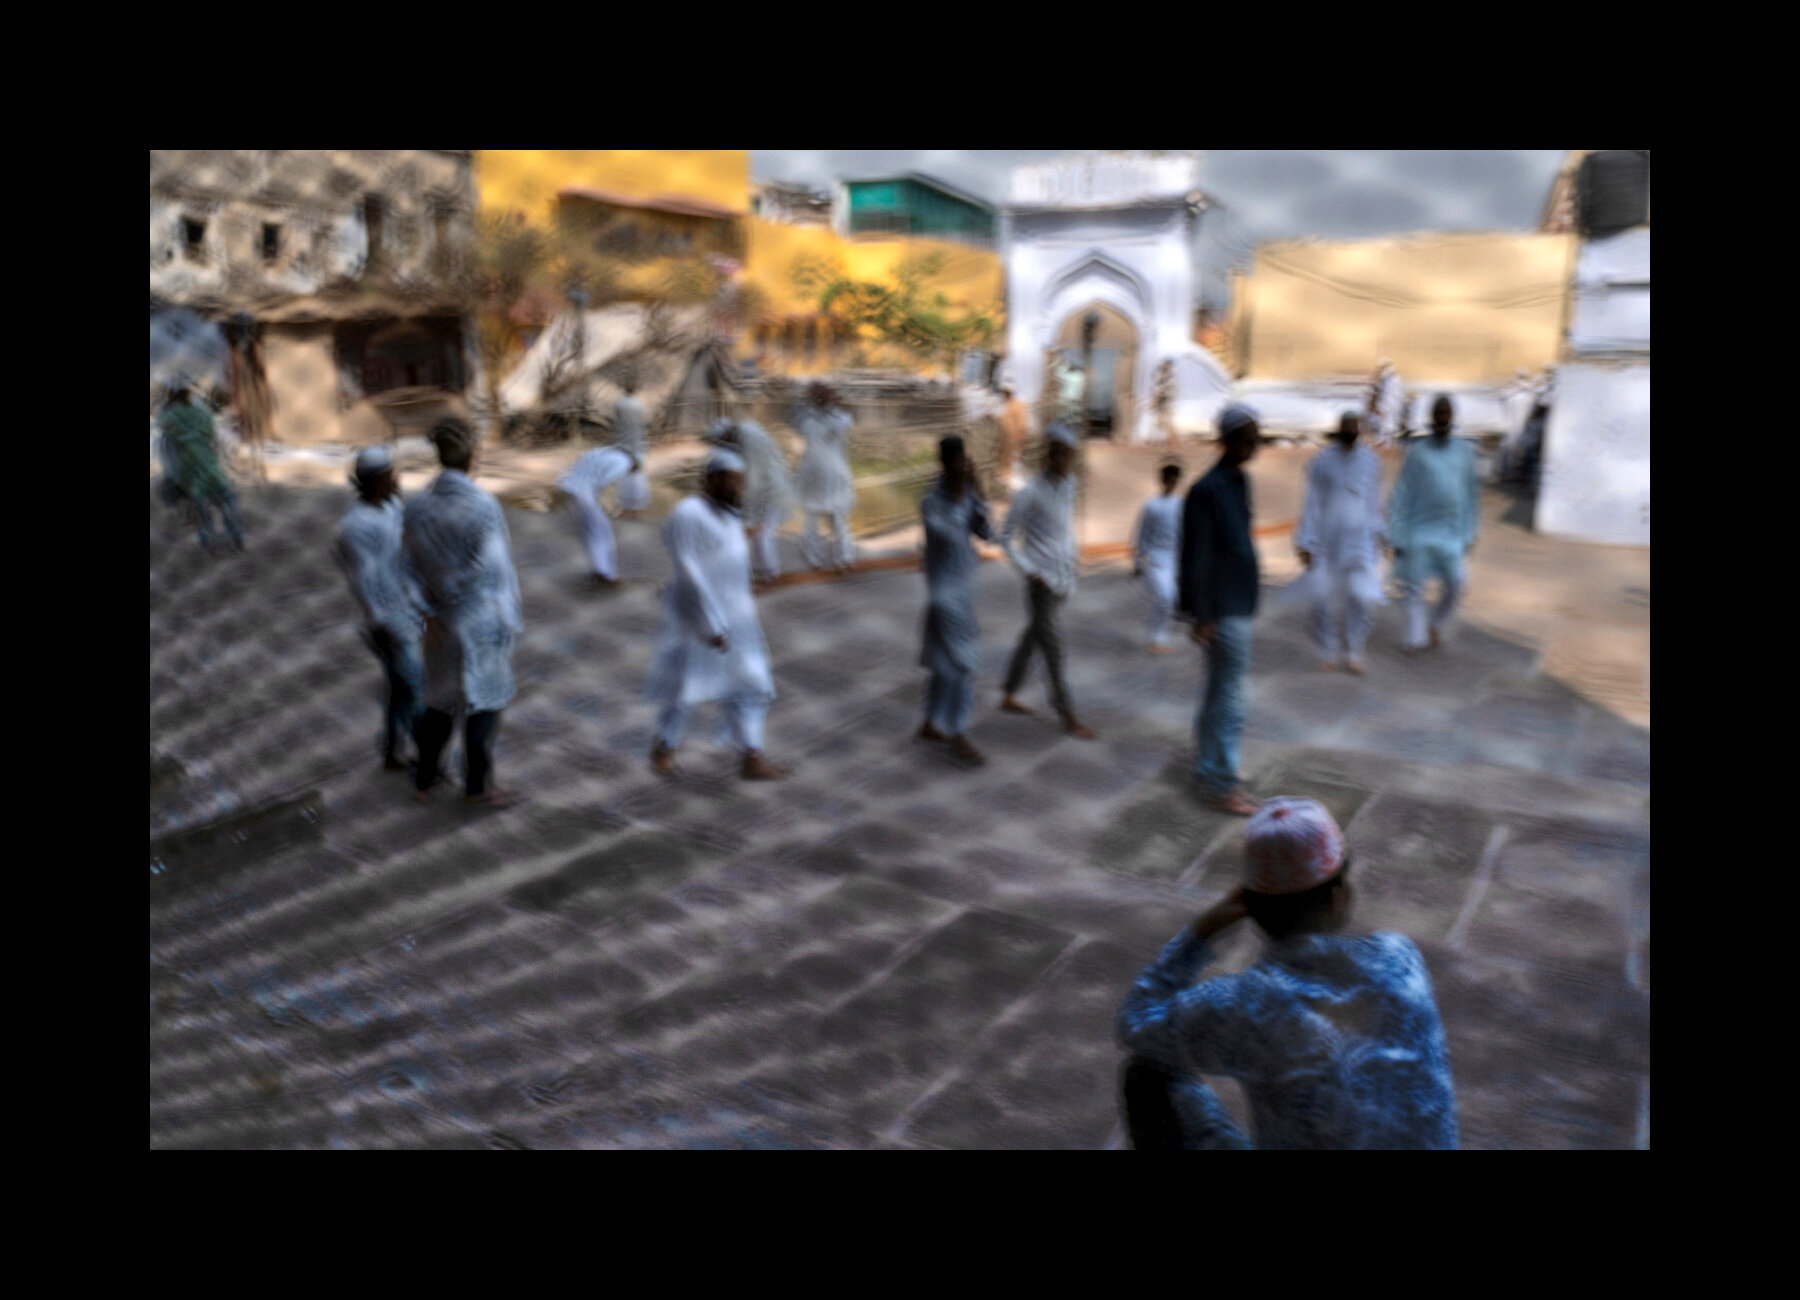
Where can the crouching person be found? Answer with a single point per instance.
(1335, 1038)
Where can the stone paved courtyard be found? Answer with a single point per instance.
(885, 951)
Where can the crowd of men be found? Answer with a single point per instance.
(1336, 1038)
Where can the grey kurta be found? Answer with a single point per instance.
(952, 638)
(457, 550)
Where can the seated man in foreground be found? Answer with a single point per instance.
(1336, 1039)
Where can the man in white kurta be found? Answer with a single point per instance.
(367, 549)
(458, 554)
(711, 647)
(1156, 552)
(768, 495)
(827, 490)
(591, 474)
(629, 435)
(1433, 517)
(1339, 540)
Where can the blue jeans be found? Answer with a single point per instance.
(950, 701)
(406, 686)
(1221, 717)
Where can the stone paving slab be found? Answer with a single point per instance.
(887, 951)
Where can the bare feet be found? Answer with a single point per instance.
(1010, 705)
(929, 732)
(758, 768)
(1412, 651)
(1354, 666)
(1436, 640)
(1075, 729)
(605, 583)
(662, 762)
(967, 753)
(1327, 666)
(1159, 648)
(496, 798)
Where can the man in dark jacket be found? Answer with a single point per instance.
(1218, 589)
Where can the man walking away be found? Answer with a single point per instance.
(1039, 539)
(1218, 586)
(367, 549)
(953, 511)
(1336, 1039)
(458, 553)
(193, 444)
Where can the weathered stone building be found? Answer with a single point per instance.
(333, 275)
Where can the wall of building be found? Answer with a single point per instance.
(315, 197)
(527, 180)
(1595, 478)
(1447, 309)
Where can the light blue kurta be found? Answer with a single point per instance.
(708, 595)
(367, 549)
(952, 637)
(456, 549)
(1435, 510)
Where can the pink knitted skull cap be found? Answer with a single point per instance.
(1291, 845)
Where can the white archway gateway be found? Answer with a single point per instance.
(1115, 230)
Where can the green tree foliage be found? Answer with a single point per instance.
(903, 311)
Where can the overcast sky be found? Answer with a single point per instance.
(1261, 193)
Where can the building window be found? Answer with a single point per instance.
(271, 241)
(194, 233)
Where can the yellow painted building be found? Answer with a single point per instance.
(527, 181)
(658, 208)
(1445, 308)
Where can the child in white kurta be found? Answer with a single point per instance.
(1156, 550)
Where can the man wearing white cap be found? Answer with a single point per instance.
(1218, 585)
(1336, 1039)
(367, 549)
(456, 548)
(1339, 540)
(591, 474)
(711, 647)
(1039, 539)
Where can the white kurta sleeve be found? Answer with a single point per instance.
(684, 532)
(500, 542)
(1306, 536)
(1137, 534)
